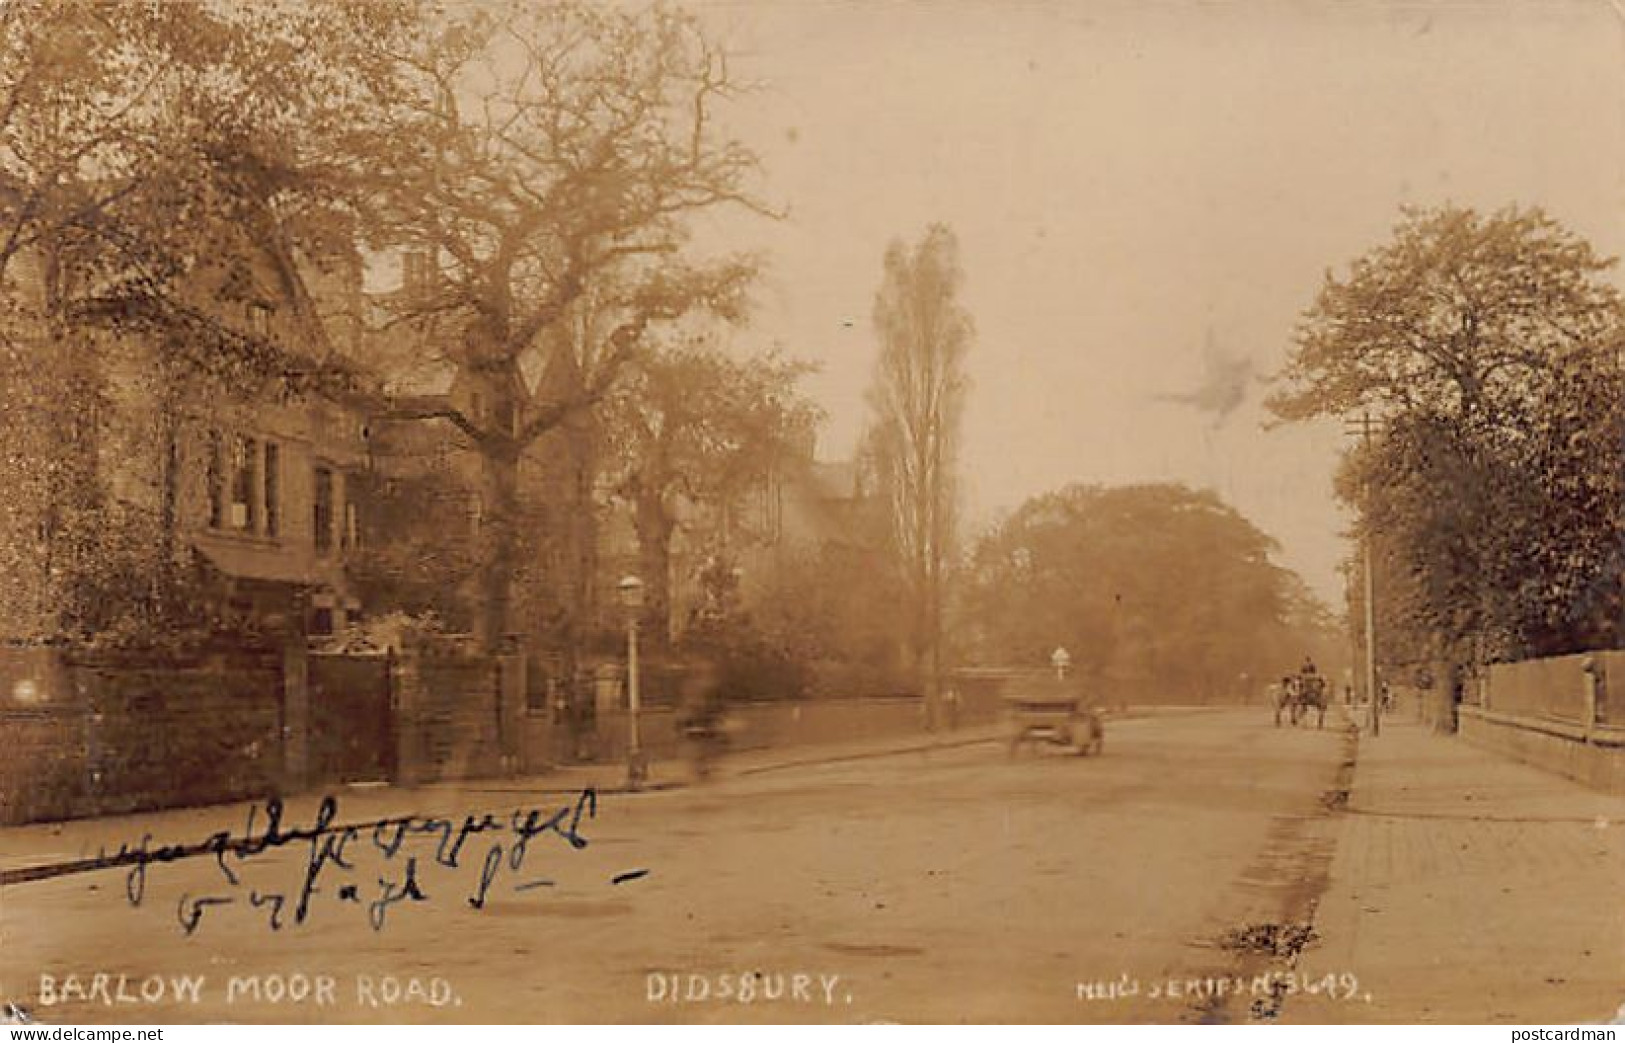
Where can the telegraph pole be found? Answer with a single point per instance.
(1364, 430)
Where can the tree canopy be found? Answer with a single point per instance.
(1489, 347)
(695, 434)
(142, 145)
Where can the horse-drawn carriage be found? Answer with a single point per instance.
(1296, 695)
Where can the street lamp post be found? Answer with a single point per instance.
(637, 767)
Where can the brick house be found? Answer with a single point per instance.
(265, 479)
(246, 481)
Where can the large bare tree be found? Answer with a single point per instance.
(561, 151)
(917, 397)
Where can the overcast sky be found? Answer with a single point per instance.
(1143, 189)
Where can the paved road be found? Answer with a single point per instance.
(950, 885)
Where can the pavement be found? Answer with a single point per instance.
(1467, 887)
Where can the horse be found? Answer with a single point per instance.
(1283, 696)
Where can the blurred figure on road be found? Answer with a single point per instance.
(702, 713)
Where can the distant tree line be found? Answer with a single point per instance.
(1155, 591)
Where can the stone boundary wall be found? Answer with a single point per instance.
(1556, 687)
(1594, 757)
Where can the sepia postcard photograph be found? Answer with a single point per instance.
(812, 512)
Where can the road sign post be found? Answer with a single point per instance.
(1061, 659)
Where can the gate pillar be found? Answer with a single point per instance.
(295, 715)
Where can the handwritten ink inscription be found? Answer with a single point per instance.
(332, 856)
